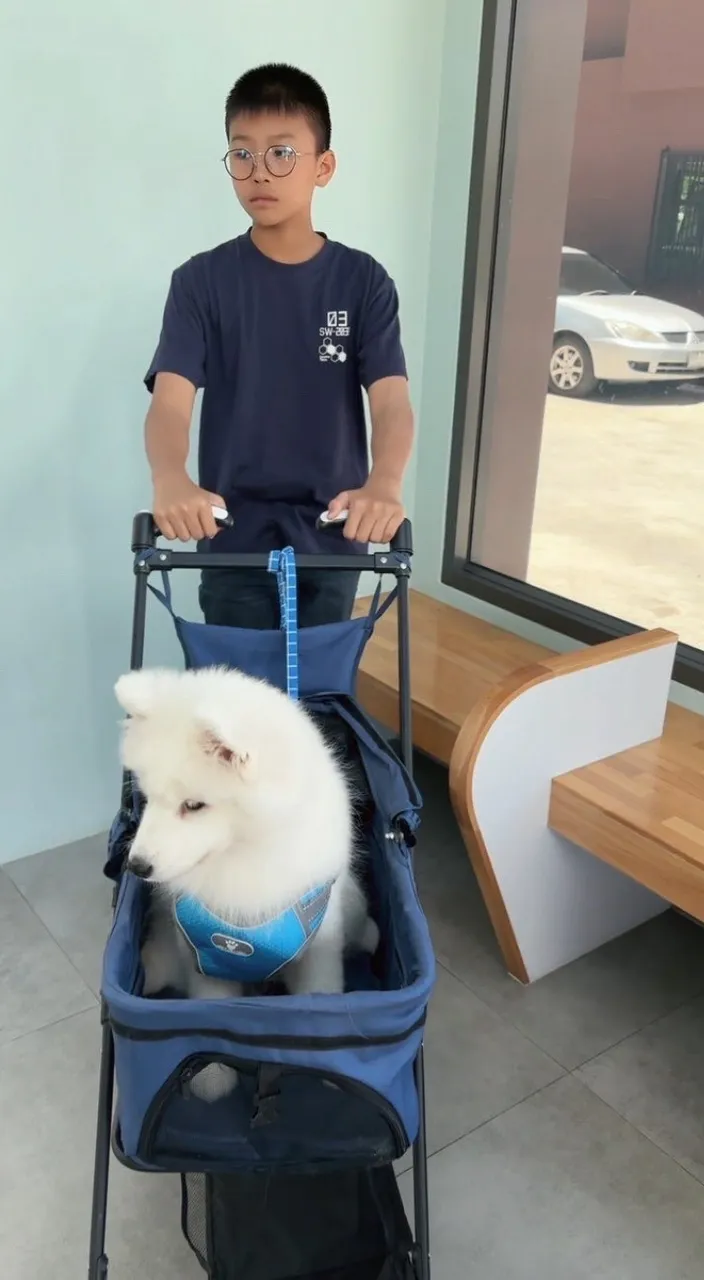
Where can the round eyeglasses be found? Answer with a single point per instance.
(279, 160)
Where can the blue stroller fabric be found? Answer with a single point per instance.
(324, 1081)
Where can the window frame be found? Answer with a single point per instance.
(489, 156)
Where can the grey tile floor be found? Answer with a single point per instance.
(566, 1121)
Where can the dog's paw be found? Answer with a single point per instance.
(214, 1082)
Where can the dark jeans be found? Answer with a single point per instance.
(250, 598)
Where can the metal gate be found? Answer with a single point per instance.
(676, 250)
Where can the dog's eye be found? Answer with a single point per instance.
(192, 806)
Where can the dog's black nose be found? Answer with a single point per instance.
(140, 867)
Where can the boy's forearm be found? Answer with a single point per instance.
(166, 438)
(391, 444)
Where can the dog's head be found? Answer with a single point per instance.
(206, 748)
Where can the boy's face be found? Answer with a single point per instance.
(275, 165)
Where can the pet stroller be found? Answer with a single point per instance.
(291, 1175)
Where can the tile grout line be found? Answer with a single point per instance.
(565, 1071)
(101, 835)
(607, 1048)
(490, 1119)
(54, 939)
(612, 1107)
(652, 1022)
(646, 1136)
(571, 1073)
(48, 1026)
(543, 1089)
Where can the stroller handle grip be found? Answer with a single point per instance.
(145, 533)
(401, 542)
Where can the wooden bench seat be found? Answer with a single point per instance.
(455, 660)
(642, 811)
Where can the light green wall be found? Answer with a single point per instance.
(111, 138)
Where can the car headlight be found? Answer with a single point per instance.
(632, 332)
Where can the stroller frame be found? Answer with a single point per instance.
(397, 563)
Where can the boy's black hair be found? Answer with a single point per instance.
(281, 88)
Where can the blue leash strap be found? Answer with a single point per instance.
(283, 564)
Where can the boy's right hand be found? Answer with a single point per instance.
(183, 510)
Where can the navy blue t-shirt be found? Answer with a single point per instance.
(282, 353)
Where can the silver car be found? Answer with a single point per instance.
(605, 331)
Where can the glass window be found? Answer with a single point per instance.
(582, 273)
(586, 445)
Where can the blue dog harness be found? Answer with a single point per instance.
(241, 953)
(250, 953)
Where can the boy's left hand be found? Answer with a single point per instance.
(375, 512)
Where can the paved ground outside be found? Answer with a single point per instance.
(619, 513)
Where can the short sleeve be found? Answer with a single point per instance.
(380, 352)
(182, 343)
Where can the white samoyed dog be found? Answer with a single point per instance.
(247, 811)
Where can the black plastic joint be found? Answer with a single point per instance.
(396, 562)
(148, 561)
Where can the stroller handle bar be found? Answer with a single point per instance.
(145, 533)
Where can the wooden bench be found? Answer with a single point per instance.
(456, 660)
(642, 811)
(581, 802)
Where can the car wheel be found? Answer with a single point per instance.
(571, 367)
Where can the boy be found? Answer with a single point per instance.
(282, 328)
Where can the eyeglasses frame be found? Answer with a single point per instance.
(262, 155)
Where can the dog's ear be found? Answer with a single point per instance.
(135, 693)
(214, 745)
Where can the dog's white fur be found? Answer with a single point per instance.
(277, 822)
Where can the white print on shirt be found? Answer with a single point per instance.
(337, 327)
